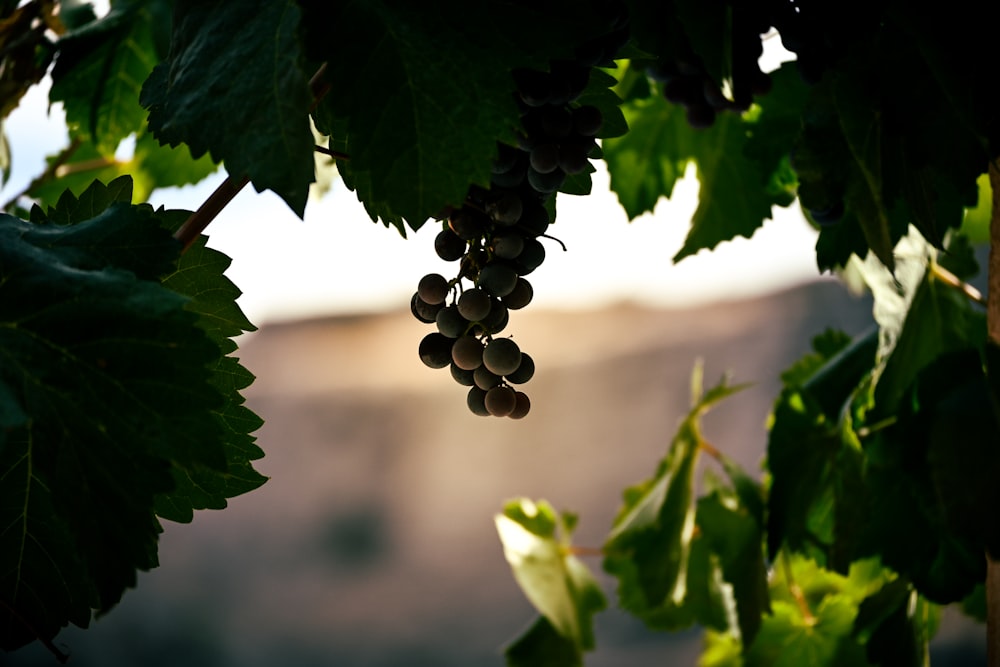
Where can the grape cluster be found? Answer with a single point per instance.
(494, 235)
(686, 81)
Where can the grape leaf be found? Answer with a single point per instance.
(560, 587)
(100, 70)
(788, 639)
(106, 384)
(649, 546)
(542, 646)
(233, 87)
(442, 96)
(200, 276)
(816, 500)
(736, 194)
(896, 625)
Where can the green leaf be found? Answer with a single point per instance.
(100, 70)
(649, 546)
(736, 536)
(420, 105)
(106, 385)
(896, 625)
(542, 646)
(560, 587)
(735, 196)
(788, 639)
(200, 276)
(816, 500)
(233, 87)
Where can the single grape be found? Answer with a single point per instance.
(500, 401)
(521, 405)
(450, 322)
(485, 379)
(462, 376)
(449, 246)
(546, 183)
(433, 288)
(496, 320)
(502, 356)
(544, 158)
(476, 400)
(524, 372)
(506, 158)
(474, 304)
(435, 350)
(506, 210)
(423, 311)
(467, 353)
(508, 246)
(530, 258)
(497, 278)
(573, 157)
(467, 224)
(587, 121)
(534, 220)
(520, 296)
(534, 87)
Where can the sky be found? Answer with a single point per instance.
(338, 261)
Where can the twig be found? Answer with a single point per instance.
(332, 153)
(796, 591)
(218, 200)
(949, 278)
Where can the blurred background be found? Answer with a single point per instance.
(373, 543)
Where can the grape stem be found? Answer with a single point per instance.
(796, 590)
(336, 155)
(950, 279)
(547, 236)
(229, 188)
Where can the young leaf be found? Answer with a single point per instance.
(542, 646)
(557, 583)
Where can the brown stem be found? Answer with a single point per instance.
(949, 278)
(332, 153)
(993, 330)
(218, 200)
(206, 213)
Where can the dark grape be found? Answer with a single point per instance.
(544, 158)
(520, 296)
(573, 157)
(506, 210)
(435, 350)
(462, 376)
(423, 311)
(449, 246)
(476, 400)
(498, 279)
(467, 225)
(500, 401)
(474, 304)
(534, 220)
(450, 322)
(548, 182)
(467, 353)
(557, 121)
(497, 318)
(524, 372)
(587, 121)
(485, 379)
(508, 246)
(531, 257)
(433, 288)
(502, 356)
(521, 405)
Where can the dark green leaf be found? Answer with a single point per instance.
(420, 105)
(895, 625)
(233, 86)
(542, 646)
(106, 385)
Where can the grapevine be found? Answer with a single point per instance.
(120, 397)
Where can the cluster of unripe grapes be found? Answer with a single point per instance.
(494, 235)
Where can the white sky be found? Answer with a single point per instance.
(338, 261)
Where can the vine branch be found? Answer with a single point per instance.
(229, 188)
(993, 332)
